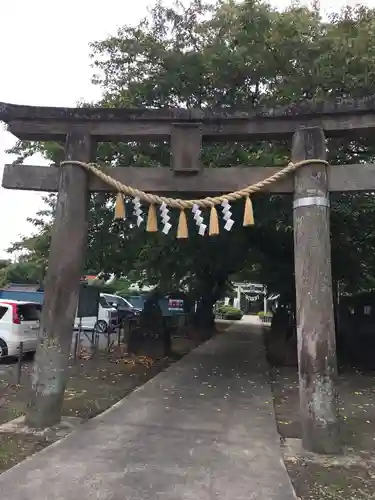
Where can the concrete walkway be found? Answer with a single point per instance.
(202, 430)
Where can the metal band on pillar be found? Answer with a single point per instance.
(309, 201)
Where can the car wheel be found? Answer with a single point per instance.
(3, 348)
(101, 326)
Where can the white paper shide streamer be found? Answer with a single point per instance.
(138, 210)
(165, 218)
(197, 215)
(227, 215)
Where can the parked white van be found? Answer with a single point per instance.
(106, 320)
(19, 322)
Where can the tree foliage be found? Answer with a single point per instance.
(228, 54)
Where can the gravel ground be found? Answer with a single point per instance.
(352, 477)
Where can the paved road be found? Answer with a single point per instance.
(202, 430)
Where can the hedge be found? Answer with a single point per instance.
(265, 317)
(262, 314)
(229, 312)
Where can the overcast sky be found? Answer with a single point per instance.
(44, 60)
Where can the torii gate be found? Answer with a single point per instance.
(307, 123)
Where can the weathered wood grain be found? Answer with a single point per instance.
(48, 123)
(67, 251)
(359, 177)
(247, 130)
(186, 145)
(151, 179)
(314, 304)
(338, 106)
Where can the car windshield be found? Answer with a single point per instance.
(123, 302)
(119, 301)
(104, 303)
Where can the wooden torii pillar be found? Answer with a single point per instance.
(316, 338)
(81, 128)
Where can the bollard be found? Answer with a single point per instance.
(108, 341)
(76, 347)
(19, 364)
(77, 340)
(93, 340)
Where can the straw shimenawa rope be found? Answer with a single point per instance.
(186, 204)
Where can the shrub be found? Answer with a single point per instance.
(230, 312)
(262, 314)
(265, 317)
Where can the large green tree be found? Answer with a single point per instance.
(229, 54)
